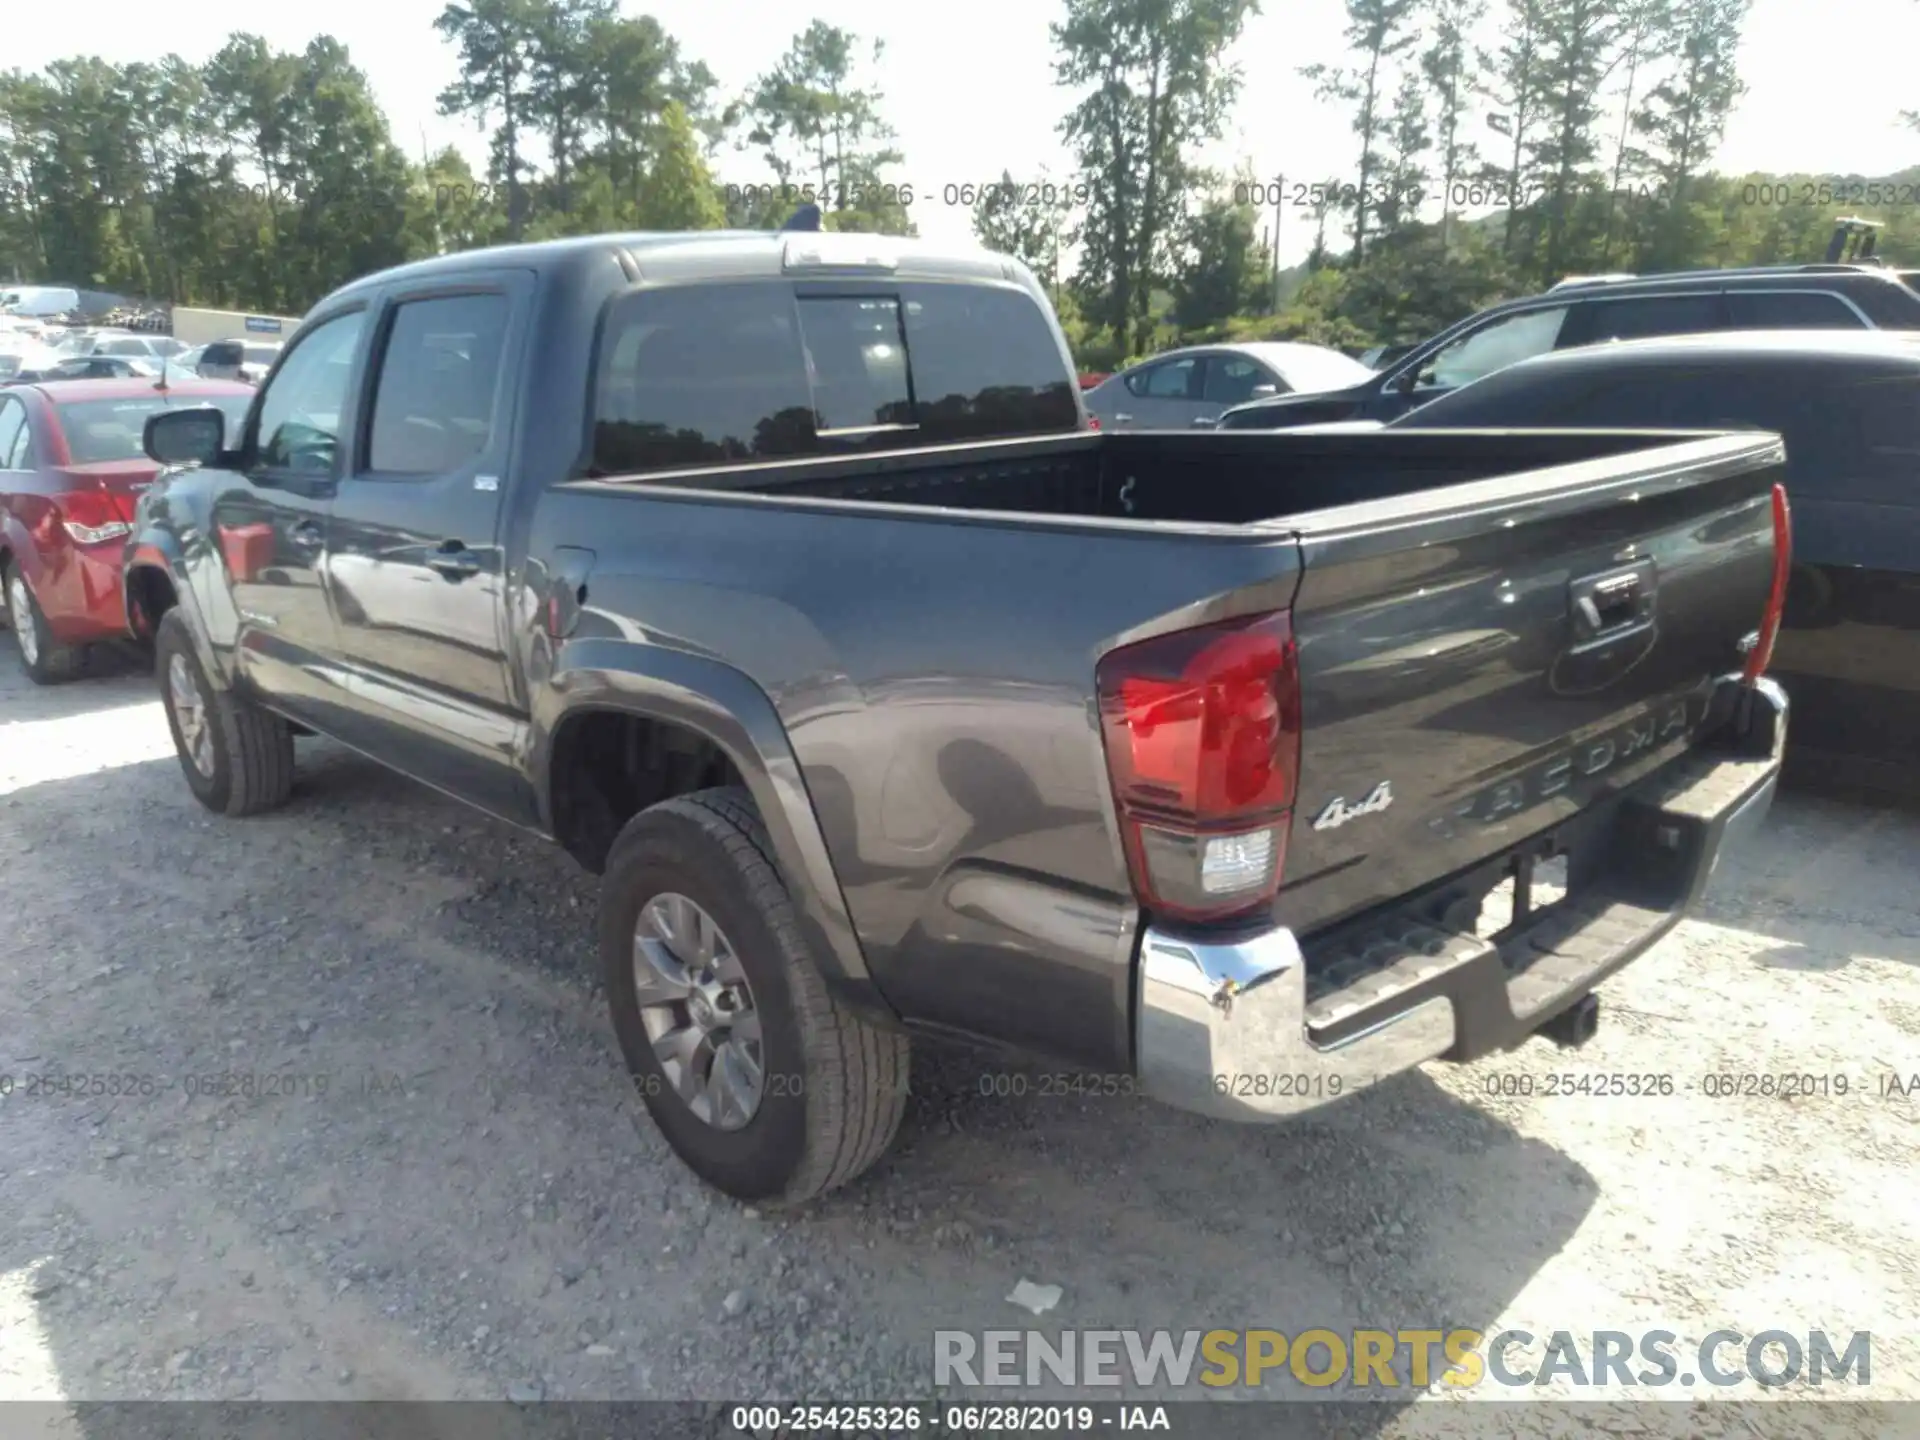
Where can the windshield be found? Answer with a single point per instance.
(1312, 369)
(102, 430)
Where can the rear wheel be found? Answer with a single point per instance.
(763, 1083)
(46, 661)
(238, 758)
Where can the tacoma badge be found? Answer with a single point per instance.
(1338, 812)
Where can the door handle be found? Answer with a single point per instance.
(1121, 418)
(305, 536)
(454, 561)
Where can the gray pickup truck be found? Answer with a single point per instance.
(780, 579)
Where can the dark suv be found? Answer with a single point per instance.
(1588, 311)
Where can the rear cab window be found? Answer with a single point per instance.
(723, 374)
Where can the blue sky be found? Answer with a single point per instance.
(969, 87)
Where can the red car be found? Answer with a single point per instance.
(71, 466)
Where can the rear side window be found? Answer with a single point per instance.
(720, 374)
(1790, 310)
(434, 405)
(1653, 315)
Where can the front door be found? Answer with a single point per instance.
(414, 551)
(269, 523)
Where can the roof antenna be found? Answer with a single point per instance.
(807, 217)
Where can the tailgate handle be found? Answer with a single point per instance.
(1608, 606)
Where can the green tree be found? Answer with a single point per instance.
(1408, 138)
(1514, 88)
(820, 127)
(496, 40)
(1378, 31)
(1153, 83)
(1446, 65)
(1014, 219)
(1225, 270)
(1686, 113)
(679, 192)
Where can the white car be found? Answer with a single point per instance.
(1191, 387)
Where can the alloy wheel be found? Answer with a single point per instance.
(698, 1011)
(20, 604)
(190, 714)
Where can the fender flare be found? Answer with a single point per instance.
(728, 708)
(15, 540)
(159, 550)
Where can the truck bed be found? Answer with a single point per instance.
(1224, 478)
(927, 625)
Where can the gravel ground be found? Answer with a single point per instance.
(477, 1207)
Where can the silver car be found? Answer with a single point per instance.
(1190, 387)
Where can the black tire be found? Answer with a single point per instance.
(835, 1082)
(251, 751)
(45, 660)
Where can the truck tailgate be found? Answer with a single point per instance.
(1481, 662)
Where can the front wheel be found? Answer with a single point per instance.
(238, 758)
(763, 1083)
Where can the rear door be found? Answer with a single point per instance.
(1480, 662)
(1166, 395)
(415, 563)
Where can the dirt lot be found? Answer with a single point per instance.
(477, 1207)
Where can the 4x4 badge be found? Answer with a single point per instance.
(1338, 812)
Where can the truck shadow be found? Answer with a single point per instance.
(461, 1223)
(1823, 884)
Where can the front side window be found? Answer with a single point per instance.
(434, 406)
(1493, 347)
(1231, 380)
(299, 427)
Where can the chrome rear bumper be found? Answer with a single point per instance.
(1223, 1031)
(1227, 1026)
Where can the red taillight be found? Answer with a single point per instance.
(1202, 731)
(1761, 655)
(92, 517)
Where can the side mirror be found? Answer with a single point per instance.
(1263, 392)
(193, 436)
